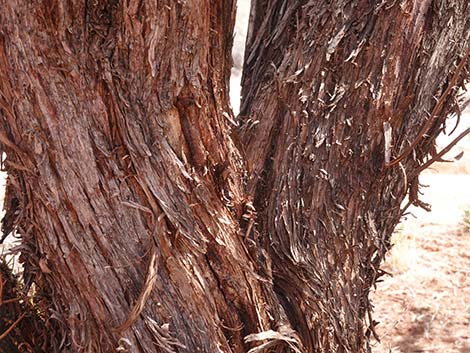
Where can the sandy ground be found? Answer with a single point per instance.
(425, 305)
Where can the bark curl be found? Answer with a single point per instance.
(148, 224)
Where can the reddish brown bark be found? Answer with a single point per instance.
(322, 83)
(120, 156)
(134, 200)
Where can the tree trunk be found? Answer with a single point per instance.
(341, 104)
(147, 225)
(128, 183)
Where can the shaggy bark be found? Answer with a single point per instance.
(116, 126)
(341, 103)
(134, 199)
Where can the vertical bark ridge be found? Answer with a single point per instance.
(116, 125)
(320, 81)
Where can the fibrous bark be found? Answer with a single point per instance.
(147, 225)
(116, 126)
(324, 83)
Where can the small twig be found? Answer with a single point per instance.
(8, 301)
(8, 330)
(457, 123)
(434, 113)
(438, 156)
(372, 325)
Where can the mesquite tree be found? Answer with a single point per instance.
(153, 220)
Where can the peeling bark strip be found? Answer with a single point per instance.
(135, 205)
(112, 119)
(332, 92)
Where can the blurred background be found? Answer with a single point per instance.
(424, 306)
